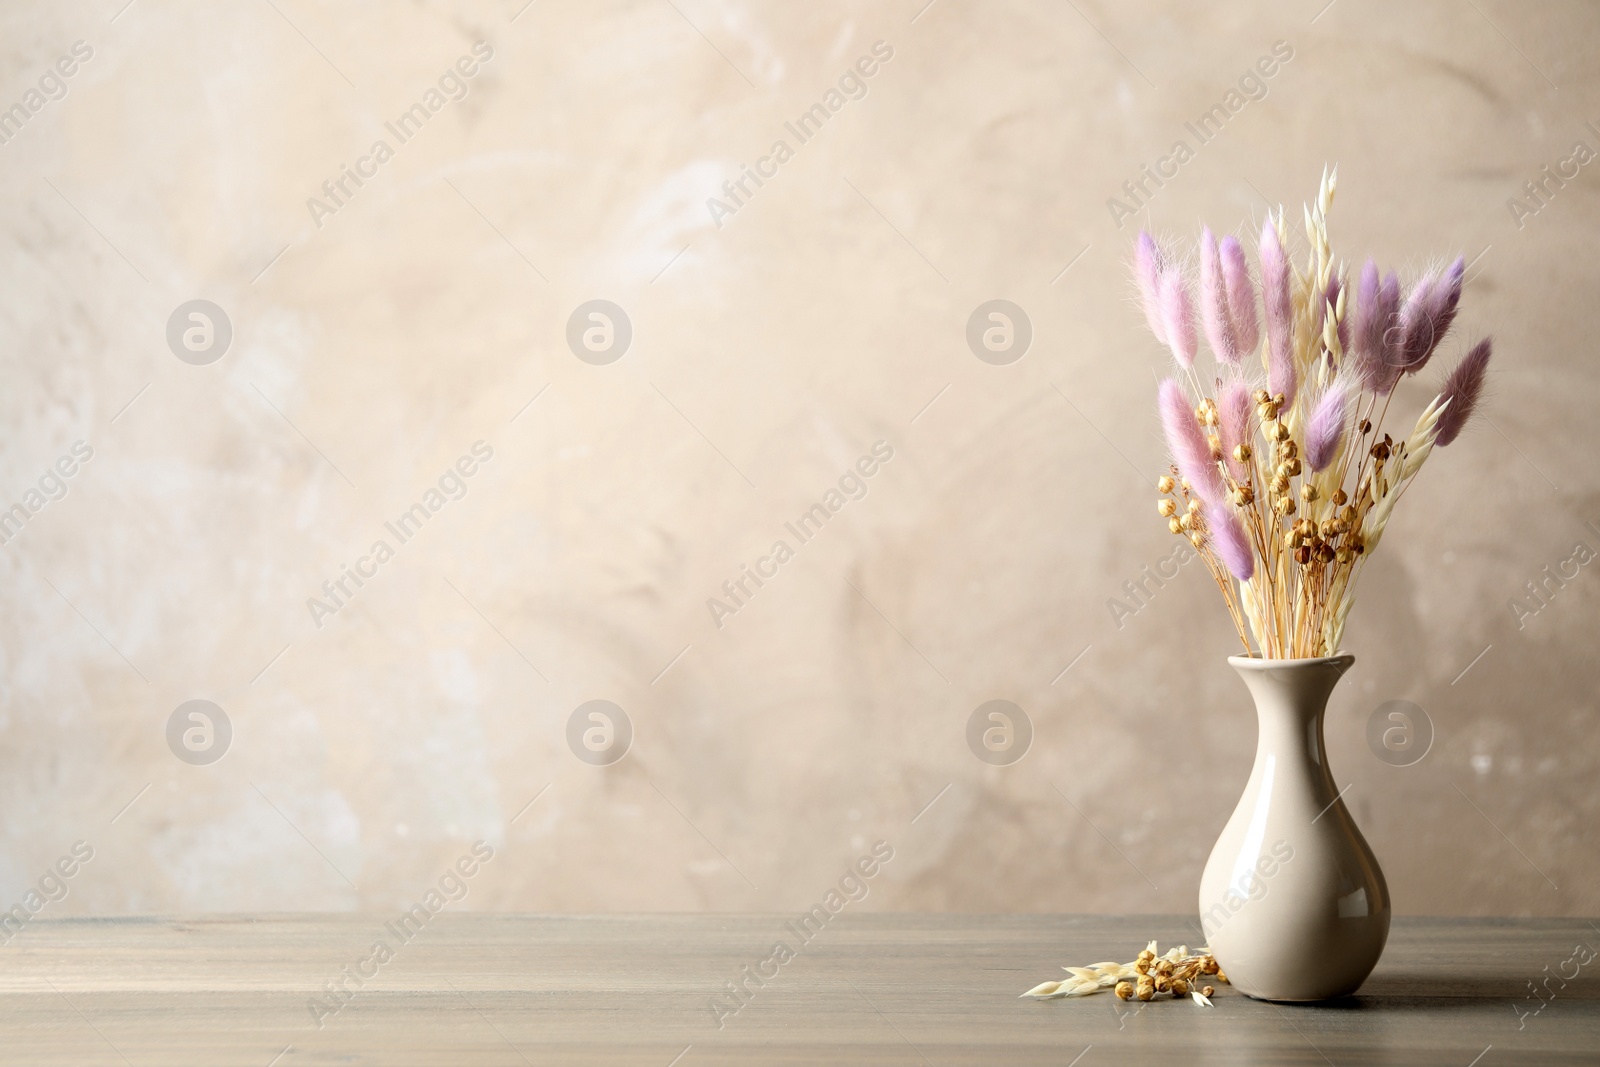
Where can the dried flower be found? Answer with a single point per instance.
(1429, 310)
(1370, 358)
(1214, 311)
(1325, 430)
(1282, 376)
(1233, 411)
(1461, 391)
(1147, 266)
(1241, 294)
(1172, 973)
(1285, 554)
(1188, 444)
(1177, 317)
(1229, 539)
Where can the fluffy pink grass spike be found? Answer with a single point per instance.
(1214, 302)
(1188, 444)
(1281, 374)
(1462, 389)
(1177, 317)
(1234, 411)
(1241, 295)
(1227, 537)
(1147, 265)
(1325, 428)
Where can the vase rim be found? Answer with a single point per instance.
(1256, 662)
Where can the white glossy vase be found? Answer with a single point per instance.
(1293, 903)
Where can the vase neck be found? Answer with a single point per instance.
(1290, 698)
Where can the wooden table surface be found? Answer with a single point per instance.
(867, 989)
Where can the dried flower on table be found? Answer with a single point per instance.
(1172, 974)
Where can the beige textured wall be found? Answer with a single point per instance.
(373, 346)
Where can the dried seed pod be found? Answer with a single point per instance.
(1164, 967)
(1167, 506)
(1244, 497)
(1208, 991)
(1366, 426)
(1302, 555)
(1124, 990)
(1280, 483)
(1308, 492)
(1242, 453)
(1197, 539)
(1180, 987)
(1146, 988)
(1290, 466)
(1289, 449)
(1163, 984)
(1175, 526)
(1340, 498)
(1165, 483)
(1223, 978)
(1215, 444)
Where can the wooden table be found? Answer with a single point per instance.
(880, 989)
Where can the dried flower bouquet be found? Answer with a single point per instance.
(1283, 477)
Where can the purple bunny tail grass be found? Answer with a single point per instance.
(1429, 310)
(1389, 363)
(1214, 302)
(1234, 410)
(1177, 317)
(1366, 358)
(1325, 428)
(1281, 373)
(1188, 444)
(1147, 264)
(1227, 537)
(1241, 295)
(1462, 389)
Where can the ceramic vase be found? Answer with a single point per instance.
(1292, 901)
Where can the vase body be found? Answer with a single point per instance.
(1292, 901)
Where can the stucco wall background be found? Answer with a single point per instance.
(373, 347)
